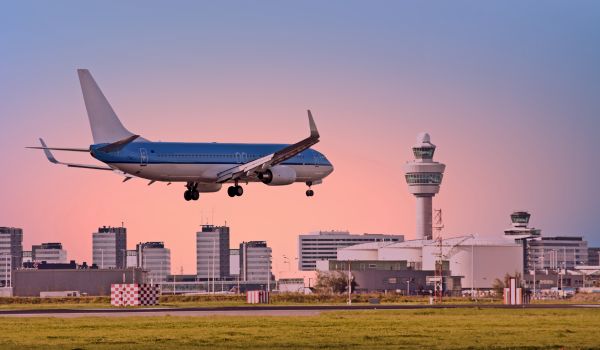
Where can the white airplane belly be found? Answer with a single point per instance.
(174, 172)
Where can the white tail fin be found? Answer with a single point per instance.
(106, 126)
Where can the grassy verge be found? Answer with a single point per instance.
(219, 301)
(406, 329)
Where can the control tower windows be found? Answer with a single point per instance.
(424, 178)
(423, 152)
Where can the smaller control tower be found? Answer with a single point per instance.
(520, 228)
(424, 177)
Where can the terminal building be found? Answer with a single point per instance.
(477, 262)
(324, 245)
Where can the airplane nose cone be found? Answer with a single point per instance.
(329, 169)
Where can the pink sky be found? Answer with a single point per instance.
(507, 94)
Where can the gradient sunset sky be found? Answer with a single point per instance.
(508, 90)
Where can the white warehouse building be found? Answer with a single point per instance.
(478, 260)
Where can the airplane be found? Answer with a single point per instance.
(203, 167)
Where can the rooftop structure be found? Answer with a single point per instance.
(424, 177)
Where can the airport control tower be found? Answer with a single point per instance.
(424, 177)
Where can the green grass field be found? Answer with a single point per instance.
(405, 329)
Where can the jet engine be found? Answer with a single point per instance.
(278, 175)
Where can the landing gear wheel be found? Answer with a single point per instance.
(231, 191)
(310, 193)
(195, 195)
(239, 191)
(187, 195)
(236, 190)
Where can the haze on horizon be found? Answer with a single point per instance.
(507, 90)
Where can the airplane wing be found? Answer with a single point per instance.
(257, 165)
(52, 159)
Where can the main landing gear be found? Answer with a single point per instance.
(309, 192)
(192, 192)
(236, 190)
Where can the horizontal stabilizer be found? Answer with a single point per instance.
(61, 149)
(53, 160)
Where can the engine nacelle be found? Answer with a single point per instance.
(278, 175)
(208, 187)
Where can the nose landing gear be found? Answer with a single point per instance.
(309, 192)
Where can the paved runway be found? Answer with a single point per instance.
(259, 310)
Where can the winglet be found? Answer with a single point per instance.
(47, 152)
(313, 127)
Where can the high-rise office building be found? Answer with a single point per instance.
(424, 177)
(11, 253)
(212, 252)
(109, 247)
(48, 252)
(324, 245)
(154, 258)
(255, 262)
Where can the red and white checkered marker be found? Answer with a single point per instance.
(134, 294)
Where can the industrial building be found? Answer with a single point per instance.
(255, 262)
(392, 276)
(477, 261)
(86, 281)
(212, 252)
(11, 253)
(49, 252)
(154, 258)
(424, 177)
(323, 245)
(109, 247)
